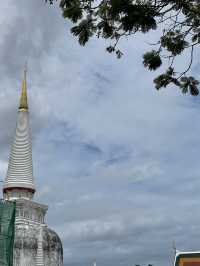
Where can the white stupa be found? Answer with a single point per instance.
(35, 244)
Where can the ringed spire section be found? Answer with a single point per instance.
(19, 181)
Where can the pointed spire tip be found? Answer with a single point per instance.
(23, 100)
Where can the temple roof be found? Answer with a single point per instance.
(20, 168)
(189, 258)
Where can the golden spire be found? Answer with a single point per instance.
(23, 100)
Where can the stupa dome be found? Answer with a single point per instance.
(32, 243)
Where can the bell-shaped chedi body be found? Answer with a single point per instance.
(35, 244)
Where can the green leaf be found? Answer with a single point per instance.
(152, 60)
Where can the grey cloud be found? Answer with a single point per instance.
(29, 34)
(117, 162)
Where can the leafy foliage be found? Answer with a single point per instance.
(117, 19)
(152, 60)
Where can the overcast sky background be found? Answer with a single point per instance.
(116, 161)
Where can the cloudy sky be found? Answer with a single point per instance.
(116, 161)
